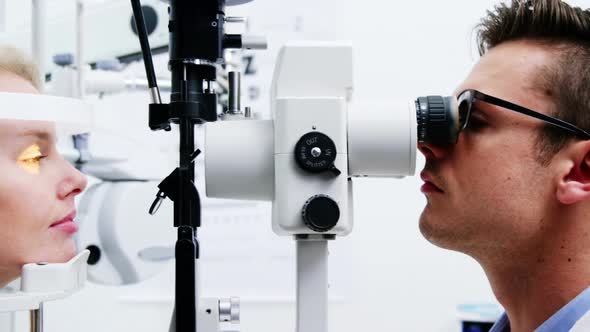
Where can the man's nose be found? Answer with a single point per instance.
(73, 182)
(434, 151)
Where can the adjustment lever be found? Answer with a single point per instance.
(167, 189)
(160, 197)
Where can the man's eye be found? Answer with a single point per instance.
(476, 124)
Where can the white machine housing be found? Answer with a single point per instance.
(311, 89)
(311, 92)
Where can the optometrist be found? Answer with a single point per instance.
(513, 191)
(37, 185)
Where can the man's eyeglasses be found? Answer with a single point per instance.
(468, 97)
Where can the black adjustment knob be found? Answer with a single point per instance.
(95, 254)
(320, 213)
(316, 152)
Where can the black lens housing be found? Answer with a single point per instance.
(438, 120)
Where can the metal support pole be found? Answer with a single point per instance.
(312, 285)
(38, 26)
(234, 106)
(80, 82)
(37, 319)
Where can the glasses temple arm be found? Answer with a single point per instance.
(516, 108)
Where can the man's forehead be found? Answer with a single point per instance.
(511, 70)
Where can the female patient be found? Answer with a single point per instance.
(37, 186)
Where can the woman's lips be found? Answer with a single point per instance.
(66, 224)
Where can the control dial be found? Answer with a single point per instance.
(321, 213)
(316, 152)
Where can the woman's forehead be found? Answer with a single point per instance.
(16, 129)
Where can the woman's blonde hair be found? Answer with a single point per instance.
(17, 62)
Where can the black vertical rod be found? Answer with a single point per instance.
(144, 42)
(196, 44)
(186, 291)
(186, 246)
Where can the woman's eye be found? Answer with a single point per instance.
(30, 159)
(34, 160)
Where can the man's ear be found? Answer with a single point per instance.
(574, 177)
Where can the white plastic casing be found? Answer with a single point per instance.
(42, 282)
(311, 88)
(382, 139)
(312, 70)
(55, 277)
(239, 159)
(295, 117)
(311, 92)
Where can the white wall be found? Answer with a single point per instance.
(385, 276)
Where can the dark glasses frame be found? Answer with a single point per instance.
(467, 97)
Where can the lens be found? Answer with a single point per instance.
(438, 119)
(464, 100)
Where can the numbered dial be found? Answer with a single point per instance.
(320, 213)
(316, 153)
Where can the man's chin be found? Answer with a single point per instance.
(435, 232)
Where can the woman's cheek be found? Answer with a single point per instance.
(30, 166)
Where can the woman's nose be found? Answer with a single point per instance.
(73, 183)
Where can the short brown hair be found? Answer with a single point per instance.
(15, 61)
(561, 28)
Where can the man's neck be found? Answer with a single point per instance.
(531, 299)
(533, 284)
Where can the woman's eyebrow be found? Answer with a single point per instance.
(39, 133)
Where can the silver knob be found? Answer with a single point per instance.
(250, 42)
(316, 152)
(235, 19)
(229, 310)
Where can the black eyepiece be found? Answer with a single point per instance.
(438, 119)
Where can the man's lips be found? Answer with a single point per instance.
(66, 224)
(429, 185)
